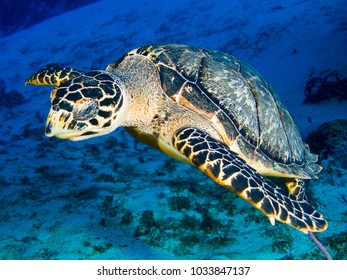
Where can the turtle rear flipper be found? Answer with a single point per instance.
(224, 167)
(296, 186)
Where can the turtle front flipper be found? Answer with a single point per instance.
(52, 75)
(224, 167)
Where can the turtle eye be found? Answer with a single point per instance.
(85, 109)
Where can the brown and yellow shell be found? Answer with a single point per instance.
(242, 106)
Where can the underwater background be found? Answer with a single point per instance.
(115, 198)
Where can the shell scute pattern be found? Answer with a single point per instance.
(230, 95)
(235, 97)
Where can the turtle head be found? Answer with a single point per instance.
(83, 105)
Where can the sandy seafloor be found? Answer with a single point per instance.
(114, 198)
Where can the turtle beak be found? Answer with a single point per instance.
(51, 124)
(52, 130)
(48, 129)
(58, 124)
(61, 124)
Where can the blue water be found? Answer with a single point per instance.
(18, 15)
(114, 198)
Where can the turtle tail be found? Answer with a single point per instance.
(52, 75)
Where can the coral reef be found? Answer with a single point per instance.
(325, 87)
(329, 139)
(339, 244)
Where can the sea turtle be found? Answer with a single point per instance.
(202, 107)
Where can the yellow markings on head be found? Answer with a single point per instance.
(83, 100)
(54, 93)
(58, 80)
